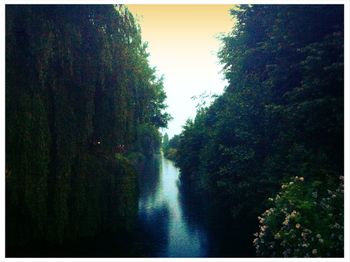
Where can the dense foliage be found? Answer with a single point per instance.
(280, 116)
(80, 97)
(305, 220)
(169, 147)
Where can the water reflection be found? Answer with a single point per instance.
(167, 230)
(224, 236)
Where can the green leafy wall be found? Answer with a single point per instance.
(78, 87)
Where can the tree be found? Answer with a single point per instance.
(280, 116)
(78, 87)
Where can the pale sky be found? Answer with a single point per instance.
(183, 45)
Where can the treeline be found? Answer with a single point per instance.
(169, 147)
(82, 106)
(278, 123)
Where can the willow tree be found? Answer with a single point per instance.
(78, 87)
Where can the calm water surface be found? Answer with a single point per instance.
(161, 214)
(169, 224)
(172, 225)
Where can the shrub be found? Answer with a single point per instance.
(306, 220)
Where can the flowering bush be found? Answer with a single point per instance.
(306, 220)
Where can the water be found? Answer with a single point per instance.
(162, 216)
(172, 224)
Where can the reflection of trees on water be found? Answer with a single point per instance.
(152, 235)
(163, 230)
(149, 176)
(225, 238)
(172, 222)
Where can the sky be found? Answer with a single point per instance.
(183, 44)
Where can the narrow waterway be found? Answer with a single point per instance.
(171, 224)
(162, 216)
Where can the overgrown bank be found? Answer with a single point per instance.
(82, 103)
(278, 122)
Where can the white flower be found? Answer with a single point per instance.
(314, 251)
(293, 214)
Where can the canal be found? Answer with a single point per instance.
(172, 226)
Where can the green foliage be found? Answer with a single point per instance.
(305, 220)
(281, 114)
(149, 140)
(104, 197)
(80, 97)
(165, 141)
(170, 146)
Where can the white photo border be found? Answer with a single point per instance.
(346, 4)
